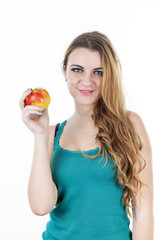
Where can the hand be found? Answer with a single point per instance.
(36, 119)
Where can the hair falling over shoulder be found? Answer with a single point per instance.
(112, 119)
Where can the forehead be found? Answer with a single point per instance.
(85, 57)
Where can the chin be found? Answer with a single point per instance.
(86, 103)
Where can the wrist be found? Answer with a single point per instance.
(42, 134)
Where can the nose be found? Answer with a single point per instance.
(87, 79)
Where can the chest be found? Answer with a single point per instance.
(73, 173)
(79, 139)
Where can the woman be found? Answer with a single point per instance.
(97, 170)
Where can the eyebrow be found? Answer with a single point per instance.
(83, 68)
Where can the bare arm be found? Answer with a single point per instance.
(42, 191)
(143, 220)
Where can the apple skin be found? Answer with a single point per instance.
(38, 97)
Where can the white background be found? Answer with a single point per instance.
(33, 38)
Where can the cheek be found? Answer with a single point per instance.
(99, 84)
(71, 78)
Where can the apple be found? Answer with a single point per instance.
(38, 97)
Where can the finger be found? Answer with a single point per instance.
(32, 107)
(45, 110)
(22, 98)
(30, 114)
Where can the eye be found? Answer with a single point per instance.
(99, 73)
(78, 70)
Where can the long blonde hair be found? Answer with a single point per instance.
(112, 119)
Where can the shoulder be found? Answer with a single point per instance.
(51, 141)
(134, 117)
(137, 121)
(138, 125)
(51, 133)
(146, 150)
(52, 129)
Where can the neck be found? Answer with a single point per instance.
(82, 115)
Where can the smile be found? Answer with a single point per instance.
(86, 92)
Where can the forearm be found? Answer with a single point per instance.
(42, 191)
(143, 228)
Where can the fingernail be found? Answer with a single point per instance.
(28, 89)
(41, 107)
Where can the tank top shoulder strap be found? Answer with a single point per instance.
(58, 132)
(57, 126)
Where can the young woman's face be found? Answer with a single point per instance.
(84, 75)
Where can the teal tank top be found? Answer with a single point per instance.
(89, 205)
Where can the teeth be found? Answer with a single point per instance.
(86, 91)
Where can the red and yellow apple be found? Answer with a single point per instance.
(38, 97)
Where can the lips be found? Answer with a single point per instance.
(86, 92)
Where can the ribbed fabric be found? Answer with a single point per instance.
(89, 205)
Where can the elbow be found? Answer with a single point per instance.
(42, 205)
(42, 211)
(39, 213)
(42, 208)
